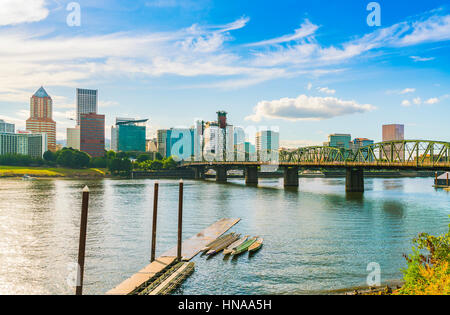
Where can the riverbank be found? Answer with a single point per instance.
(53, 172)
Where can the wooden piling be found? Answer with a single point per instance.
(82, 243)
(180, 221)
(155, 216)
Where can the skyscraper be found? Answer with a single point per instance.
(267, 145)
(394, 132)
(41, 117)
(87, 102)
(73, 138)
(92, 134)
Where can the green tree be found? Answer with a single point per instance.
(49, 156)
(169, 164)
(143, 157)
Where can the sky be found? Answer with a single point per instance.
(306, 68)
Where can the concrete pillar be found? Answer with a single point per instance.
(354, 180)
(199, 172)
(291, 176)
(251, 175)
(221, 175)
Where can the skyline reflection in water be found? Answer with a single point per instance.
(317, 238)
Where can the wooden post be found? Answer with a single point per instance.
(447, 179)
(180, 221)
(155, 216)
(435, 178)
(82, 244)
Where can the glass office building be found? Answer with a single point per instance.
(87, 102)
(31, 144)
(6, 127)
(131, 135)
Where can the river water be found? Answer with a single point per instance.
(316, 239)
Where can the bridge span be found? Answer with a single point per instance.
(391, 155)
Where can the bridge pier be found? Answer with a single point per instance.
(221, 174)
(199, 172)
(291, 176)
(354, 180)
(251, 175)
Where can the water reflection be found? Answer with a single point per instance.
(316, 237)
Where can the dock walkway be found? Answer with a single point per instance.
(190, 248)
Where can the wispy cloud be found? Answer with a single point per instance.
(307, 108)
(306, 29)
(418, 59)
(407, 90)
(326, 90)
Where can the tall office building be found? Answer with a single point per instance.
(41, 117)
(6, 127)
(92, 134)
(87, 102)
(239, 143)
(180, 143)
(267, 145)
(24, 143)
(73, 138)
(394, 132)
(162, 141)
(129, 135)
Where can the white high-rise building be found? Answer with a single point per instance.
(73, 138)
(87, 102)
(267, 145)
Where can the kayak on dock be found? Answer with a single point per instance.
(256, 245)
(233, 246)
(216, 241)
(244, 247)
(222, 245)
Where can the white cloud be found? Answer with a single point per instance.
(407, 90)
(306, 29)
(432, 101)
(435, 28)
(309, 86)
(417, 101)
(22, 11)
(306, 108)
(406, 103)
(326, 90)
(418, 58)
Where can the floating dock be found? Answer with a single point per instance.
(165, 274)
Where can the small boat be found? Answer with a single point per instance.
(216, 241)
(244, 247)
(221, 246)
(230, 248)
(256, 245)
(26, 177)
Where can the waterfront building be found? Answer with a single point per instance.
(339, 140)
(151, 145)
(24, 143)
(359, 143)
(267, 145)
(394, 132)
(239, 143)
(180, 143)
(6, 127)
(87, 102)
(248, 151)
(73, 138)
(41, 117)
(162, 140)
(218, 139)
(129, 135)
(198, 140)
(92, 134)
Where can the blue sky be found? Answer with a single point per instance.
(309, 68)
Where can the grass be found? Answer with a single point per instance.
(16, 171)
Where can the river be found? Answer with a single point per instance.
(316, 239)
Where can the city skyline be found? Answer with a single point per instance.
(310, 73)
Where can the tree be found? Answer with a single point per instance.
(143, 157)
(49, 156)
(169, 163)
(120, 166)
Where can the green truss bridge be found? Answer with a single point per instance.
(395, 155)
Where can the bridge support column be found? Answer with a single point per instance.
(291, 176)
(354, 180)
(251, 175)
(199, 173)
(221, 175)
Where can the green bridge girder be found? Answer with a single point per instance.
(400, 152)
